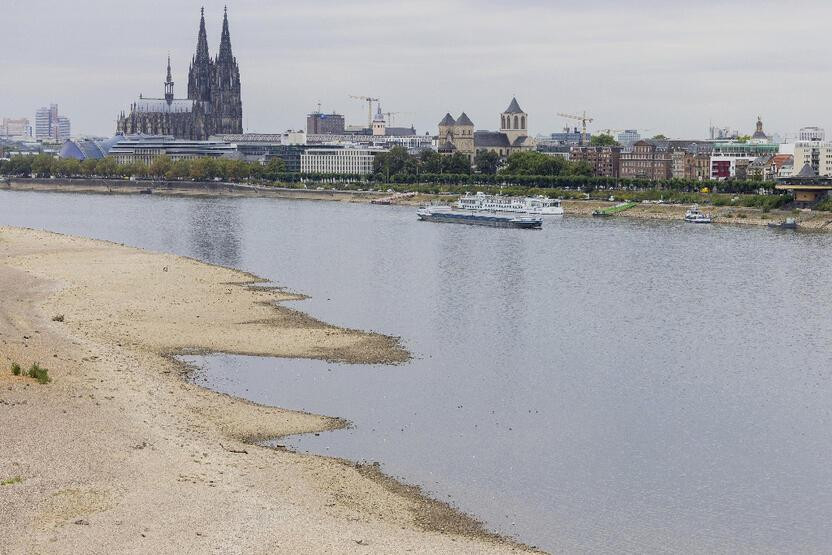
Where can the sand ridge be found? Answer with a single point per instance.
(119, 454)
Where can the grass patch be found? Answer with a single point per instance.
(40, 374)
(11, 481)
(16, 369)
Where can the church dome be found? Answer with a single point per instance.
(759, 135)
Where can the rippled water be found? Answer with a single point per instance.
(594, 386)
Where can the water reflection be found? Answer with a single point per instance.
(214, 229)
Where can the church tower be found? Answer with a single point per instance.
(201, 71)
(379, 125)
(514, 122)
(227, 105)
(464, 135)
(169, 85)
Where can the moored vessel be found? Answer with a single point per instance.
(446, 214)
(539, 205)
(695, 216)
(788, 223)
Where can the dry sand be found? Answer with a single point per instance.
(119, 454)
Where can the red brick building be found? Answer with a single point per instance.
(603, 159)
(646, 161)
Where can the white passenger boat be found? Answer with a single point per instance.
(539, 205)
(695, 216)
(446, 214)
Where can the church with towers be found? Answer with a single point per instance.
(213, 105)
(458, 135)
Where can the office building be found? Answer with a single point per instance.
(339, 159)
(628, 138)
(811, 134)
(817, 154)
(15, 128)
(147, 148)
(318, 123)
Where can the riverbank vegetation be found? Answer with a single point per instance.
(525, 173)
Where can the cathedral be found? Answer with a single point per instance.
(213, 105)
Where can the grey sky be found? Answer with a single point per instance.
(661, 66)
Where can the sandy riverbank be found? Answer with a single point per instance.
(120, 455)
(808, 220)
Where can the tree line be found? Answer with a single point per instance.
(199, 169)
(398, 163)
(427, 172)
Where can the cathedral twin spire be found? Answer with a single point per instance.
(213, 105)
(202, 41)
(225, 41)
(206, 74)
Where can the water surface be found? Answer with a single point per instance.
(593, 386)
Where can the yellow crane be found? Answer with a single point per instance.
(369, 100)
(584, 119)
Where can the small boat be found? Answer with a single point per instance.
(788, 223)
(601, 214)
(146, 192)
(694, 216)
(446, 214)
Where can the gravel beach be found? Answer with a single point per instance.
(119, 454)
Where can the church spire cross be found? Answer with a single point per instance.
(202, 39)
(225, 41)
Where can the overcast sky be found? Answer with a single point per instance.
(654, 65)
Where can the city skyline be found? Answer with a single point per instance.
(664, 69)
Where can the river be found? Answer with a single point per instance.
(605, 386)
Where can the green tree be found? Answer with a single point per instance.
(68, 167)
(20, 165)
(160, 167)
(179, 170)
(430, 161)
(534, 163)
(743, 138)
(43, 165)
(456, 163)
(603, 140)
(88, 166)
(134, 169)
(581, 167)
(487, 161)
(107, 167)
(273, 169)
(395, 162)
(659, 137)
(202, 169)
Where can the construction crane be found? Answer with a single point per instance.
(583, 119)
(389, 116)
(369, 100)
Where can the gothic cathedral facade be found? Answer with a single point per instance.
(213, 106)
